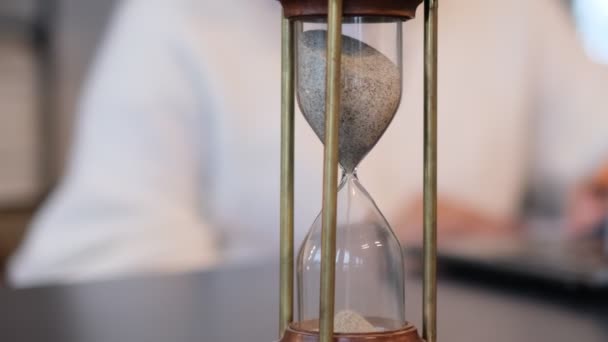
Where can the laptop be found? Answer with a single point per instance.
(575, 264)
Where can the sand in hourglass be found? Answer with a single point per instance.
(371, 92)
(351, 322)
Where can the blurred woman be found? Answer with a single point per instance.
(175, 165)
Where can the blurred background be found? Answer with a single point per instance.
(46, 47)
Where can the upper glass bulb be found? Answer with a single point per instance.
(370, 82)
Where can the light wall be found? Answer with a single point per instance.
(78, 28)
(19, 178)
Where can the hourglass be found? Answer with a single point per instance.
(343, 62)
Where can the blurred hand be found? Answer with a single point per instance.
(588, 204)
(454, 220)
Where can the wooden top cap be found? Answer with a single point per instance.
(301, 9)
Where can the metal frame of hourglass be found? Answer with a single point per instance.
(335, 11)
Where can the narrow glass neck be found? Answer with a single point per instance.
(348, 174)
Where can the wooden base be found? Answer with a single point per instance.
(296, 333)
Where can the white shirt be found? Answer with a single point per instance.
(176, 160)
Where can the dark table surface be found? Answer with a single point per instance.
(240, 304)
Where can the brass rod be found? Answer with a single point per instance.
(330, 175)
(430, 172)
(287, 172)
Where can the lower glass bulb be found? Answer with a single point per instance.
(370, 291)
